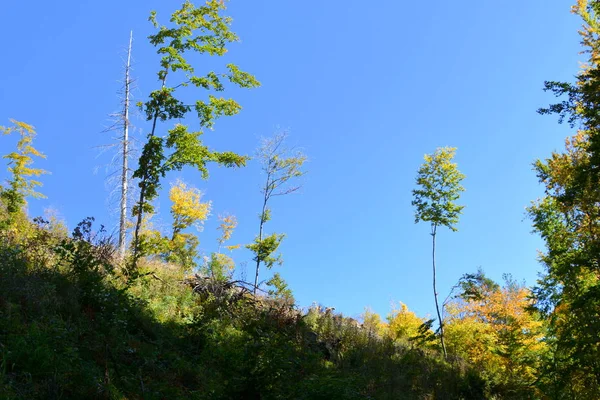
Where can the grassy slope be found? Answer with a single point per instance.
(70, 328)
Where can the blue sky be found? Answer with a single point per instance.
(366, 89)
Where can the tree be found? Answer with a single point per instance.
(200, 29)
(491, 327)
(120, 178)
(438, 189)
(22, 184)
(281, 167)
(125, 152)
(180, 247)
(403, 324)
(568, 293)
(220, 266)
(372, 323)
(187, 210)
(568, 220)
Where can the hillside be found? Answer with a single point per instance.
(163, 308)
(72, 326)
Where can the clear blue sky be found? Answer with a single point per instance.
(366, 89)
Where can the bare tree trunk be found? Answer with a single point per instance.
(125, 145)
(435, 294)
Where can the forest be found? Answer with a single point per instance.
(144, 311)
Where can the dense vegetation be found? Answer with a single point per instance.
(81, 317)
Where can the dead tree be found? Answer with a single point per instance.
(120, 176)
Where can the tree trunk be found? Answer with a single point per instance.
(138, 225)
(125, 145)
(437, 307)
(260, 233)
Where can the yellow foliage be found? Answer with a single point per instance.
(227, 225)
(224, 261)
(20, 162)
(187, 209)
(497, 333)
(403, 323)
(373, 323)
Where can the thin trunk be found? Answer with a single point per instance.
(435, 294)
(260, 233)
(138, 224)
(142, 198)
(125, 170)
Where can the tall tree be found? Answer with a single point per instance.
(22, 184)
(203, 30)
(120, 174)
(568, 219)
(125, 152)
(281, 166)
(438, 189)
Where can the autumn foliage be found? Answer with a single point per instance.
(166, 318)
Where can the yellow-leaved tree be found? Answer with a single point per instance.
(187, 210)
(22, 184)
(403, 324)
(491, 326)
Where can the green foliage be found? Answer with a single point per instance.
(183, 250)
(438, 189)
(72, 327)
(265, 248)
(567, 219)
(580, 104)
(202, 30)
(179, 248)
(73, 324)
(280, 288)
(475, 287)
(567, 293)
(220, 267)
(281, 166)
